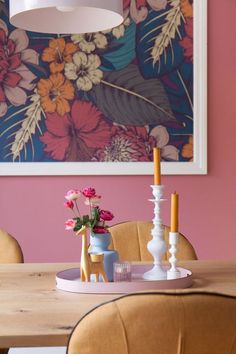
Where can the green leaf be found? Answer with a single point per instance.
(85, 219)
(125, 97)
(77, 227)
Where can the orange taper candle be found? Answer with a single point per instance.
(174, 212)
(157, 165)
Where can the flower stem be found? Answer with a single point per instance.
(77, 208)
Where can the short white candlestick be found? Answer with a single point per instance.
(173, 272)
(157, 246)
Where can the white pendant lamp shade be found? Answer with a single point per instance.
(66, 16)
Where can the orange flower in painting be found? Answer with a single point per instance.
(55, 93)
(187, 150)
(58, 53)
(186, 8)
(187, 41)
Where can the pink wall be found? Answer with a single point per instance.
(31, 208)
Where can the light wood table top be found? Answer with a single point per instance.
(34, 313)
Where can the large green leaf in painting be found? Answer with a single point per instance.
(125, 97)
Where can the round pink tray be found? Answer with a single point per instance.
(69, 280)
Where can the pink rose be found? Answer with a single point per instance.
(70, 224)
(94, 201)
(99, 230)
(69, 204)
(106, 215)
(89, 192)
(72, 194)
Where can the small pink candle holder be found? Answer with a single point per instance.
(121, 271)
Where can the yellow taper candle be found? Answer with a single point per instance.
(157, 165)
(174, 212)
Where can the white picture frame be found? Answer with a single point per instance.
(199, 164)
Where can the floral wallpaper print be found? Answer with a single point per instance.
(104, 97)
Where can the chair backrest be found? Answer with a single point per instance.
(130, 240)
(158, 323)
(10, 250)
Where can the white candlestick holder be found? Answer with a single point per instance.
(157, 246)
(173, 272)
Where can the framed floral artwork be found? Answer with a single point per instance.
(98, 103)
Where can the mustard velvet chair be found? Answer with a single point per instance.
(158, 323)
(130, 240)
(10, 252)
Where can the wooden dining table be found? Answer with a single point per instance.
(34, 313)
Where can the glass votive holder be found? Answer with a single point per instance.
(122, 271)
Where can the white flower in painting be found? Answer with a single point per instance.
(88, 42)
(168, 152)
(84, 70)
(119, 31)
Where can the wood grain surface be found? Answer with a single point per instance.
(34, 313)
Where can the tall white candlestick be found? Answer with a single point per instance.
(157, 246)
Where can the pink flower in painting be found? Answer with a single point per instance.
(139, 8)
(187, 41)
(139, 3)
(72, 194)
(106, 215)
(128, 144)
(69, 204)
(70, 224)
(88, 192)
(15, 77)
(75, 136)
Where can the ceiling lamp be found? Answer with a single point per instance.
(66, 16)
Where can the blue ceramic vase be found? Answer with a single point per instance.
(99, 244)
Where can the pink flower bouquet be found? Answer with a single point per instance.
(95, 220)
